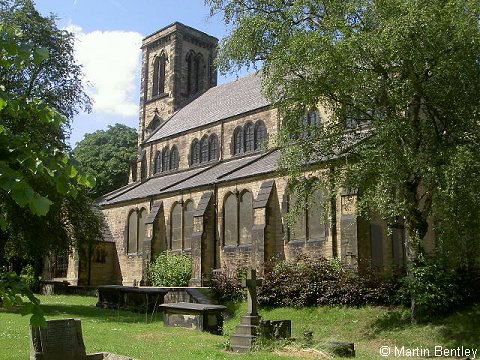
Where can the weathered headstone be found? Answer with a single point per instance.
(62, 340)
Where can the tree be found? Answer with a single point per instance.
(42, 207)
(107, 154)
(39, 74)
(57, 79)
(400, 82)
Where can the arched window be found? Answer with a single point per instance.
(311, 220)
(316, 216)
(141, 228)
(188, 224)
(195, 152)
(190, 71)
(238, 140)
(246, 217)
(143, 166)
(132, 232)
(213, 148)
(197, 71)
(165, 159)
(230, 220)
(204, 149)
(249, 137)
(157, 162)
(176, 226)
(174, 158)
(159, 75)
(260, 134)
(135, 230)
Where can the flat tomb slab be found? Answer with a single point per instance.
(130, 298)
(202, 317)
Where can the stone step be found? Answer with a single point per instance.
(251, 330)
(241, 340)
(240, 349)
(250, 320)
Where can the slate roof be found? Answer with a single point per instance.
(194, 178)
(220, 102)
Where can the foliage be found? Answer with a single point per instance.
(438, 289)
(54, 77)
(226, 286)
(106, 154)
(12, 292)
(170, 269)
(307, 282)
(398, 84)
(41, 202)
(28, 277)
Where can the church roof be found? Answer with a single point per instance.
(217, 103)
(204, 176)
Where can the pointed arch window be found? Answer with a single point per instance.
(197, 70)
(157, 162)
(188, 224)
(204, 149)
(230, 220)
(311, 220)
(159, 65)
(213, 148)
(135, 231)
(260, 134)
(238, 140)
(174, 158)
(249, 137)
(190, 67)
(176, 227)
(195, 152)
(165, 159)
(246, 218)
(143, 165)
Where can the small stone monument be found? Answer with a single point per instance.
(62, 340)
(247, 331)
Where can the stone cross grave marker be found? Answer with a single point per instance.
(251, 283)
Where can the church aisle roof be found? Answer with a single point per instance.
(220, 102)
(265, 164)
(231, 169)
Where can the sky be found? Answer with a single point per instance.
(108, 36)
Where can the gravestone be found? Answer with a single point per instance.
(248, 330)
(202, 317)
(62, 340)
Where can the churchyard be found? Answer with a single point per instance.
(144, 336)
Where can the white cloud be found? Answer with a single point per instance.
(111, 64)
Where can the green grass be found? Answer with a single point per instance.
(128, 333)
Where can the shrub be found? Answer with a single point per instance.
(308, 282)
(435, 289)
(226, 286)
(28, 277)
(170, 269)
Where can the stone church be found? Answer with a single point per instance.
(205, 181)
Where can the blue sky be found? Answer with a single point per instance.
(108, 37)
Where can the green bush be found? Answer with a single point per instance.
(29, 279)
(309, 282)
(170, 269)
(226, 287)
(435, 289)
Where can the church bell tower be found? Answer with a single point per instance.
(177, 66)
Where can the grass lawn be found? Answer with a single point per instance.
(128, 333)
